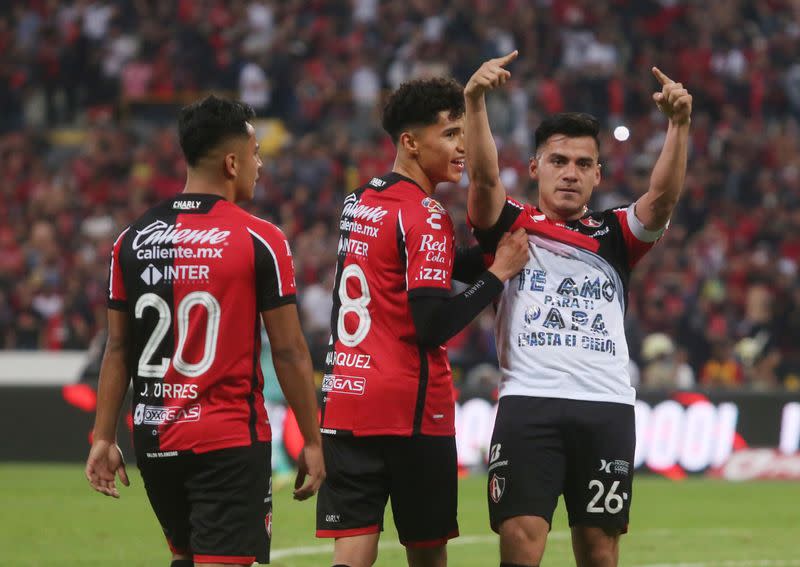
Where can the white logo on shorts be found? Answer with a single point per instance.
(618, 466)
(497, 486)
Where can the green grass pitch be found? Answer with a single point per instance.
(50, 516)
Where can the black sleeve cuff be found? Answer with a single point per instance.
(276, 302)
(490, 237)
(468, 264)
(117, 304)
(437, 320)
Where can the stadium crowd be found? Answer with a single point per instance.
(82, 153)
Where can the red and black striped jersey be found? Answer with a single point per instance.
(395, 242)
(193, 274)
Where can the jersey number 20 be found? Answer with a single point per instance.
(191, 370)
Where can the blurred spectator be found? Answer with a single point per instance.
(89, 91)
(664, 367)
(722, 370)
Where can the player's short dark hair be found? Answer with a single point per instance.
(569, 124)
(204, 124)
(419, 102)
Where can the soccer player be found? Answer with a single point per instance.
(565, 421)
(190, 283)
(388, 406)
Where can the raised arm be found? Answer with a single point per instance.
(486, 195)
(655, 207)
(295, 374)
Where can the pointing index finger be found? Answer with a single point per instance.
(662, 78)
(506, 59)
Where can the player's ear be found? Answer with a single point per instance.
(409, 143)
(230, 165)
(533, 167)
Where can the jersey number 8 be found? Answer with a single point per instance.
(357, 305)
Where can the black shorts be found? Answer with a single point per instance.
(419, 473)
(544, 447)
(215, 506)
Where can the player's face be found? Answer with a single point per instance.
(248, 155)
(441, 149)
(567, 170)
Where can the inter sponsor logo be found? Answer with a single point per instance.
(161, 233)
(159, 415)
(354, 247)
(151, 275)
(354, 385)
(186, 205)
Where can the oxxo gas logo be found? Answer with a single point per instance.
(354, 385)
(159, 415)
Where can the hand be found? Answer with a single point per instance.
(312, 464)
(673, 100)
(104, 463)
(511, 256)
(490, 75)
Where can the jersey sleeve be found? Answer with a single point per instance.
(274, 268)
(638, 240)
(117, 295)
(426, 242)
(508, 221)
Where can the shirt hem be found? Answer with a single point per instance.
(405, 432)
(582, 396)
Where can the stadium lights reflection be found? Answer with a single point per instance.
(621, 133)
